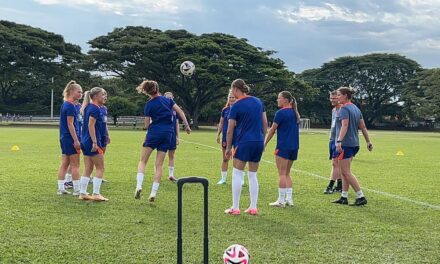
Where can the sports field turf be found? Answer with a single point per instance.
(400, 224)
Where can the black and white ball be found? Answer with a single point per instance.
(187, 68)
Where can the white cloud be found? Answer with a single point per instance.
(329, 12)
(426, 44)
(131, 7)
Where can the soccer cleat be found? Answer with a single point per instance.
(62, 192)
(151, 199)
(85, 197)
(278, 204)
(359, 202)
(232, 211)
(328, 190)
(341, 200)
(75, 193)
(99, 198)
(289, 203)
(138, 194)
(251, 211)
(104, 181)
(68, 185)
(222, 181)
(172, 179)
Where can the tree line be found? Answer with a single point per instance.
(391, 88)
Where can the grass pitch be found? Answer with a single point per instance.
(400, 224)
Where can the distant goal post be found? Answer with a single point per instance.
(304, 124)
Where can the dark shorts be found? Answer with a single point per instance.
(161, 141)
(173, 142)
(347, 152)
(86, 148)
(67, 147)
(332, 150)
(290, 154)
(249, 151)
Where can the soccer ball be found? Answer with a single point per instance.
(236, 254)
(187, 68)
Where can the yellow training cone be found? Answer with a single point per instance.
(15, 148)
(400, 153)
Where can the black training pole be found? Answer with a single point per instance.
(180, 183)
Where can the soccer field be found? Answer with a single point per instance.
(400, 224)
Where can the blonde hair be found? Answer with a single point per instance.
(241, 85)
(170, 94)
(227, 99)
(70, 86)
(89, 95)
(148, 87)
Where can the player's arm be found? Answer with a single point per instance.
(342, 133)
(146, 122)
(230, 134)
(72, 132)
(180, 112)
(364, 130)
(220, 128)
(264, 118)
(92, 132)
(270, 134)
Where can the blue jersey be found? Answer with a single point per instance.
(160, 110)
(353, 114)
(248, 112)
(225, 114)
(79, 118)
(68, 109)
(94, 111)
(288, 129)
(175, 121)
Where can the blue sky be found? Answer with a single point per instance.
(306, 34)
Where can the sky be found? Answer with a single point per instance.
(305, 34)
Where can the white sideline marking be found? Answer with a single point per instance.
(437, 207)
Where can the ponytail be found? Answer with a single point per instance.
(292, 101)
(70, 86)
(85, 102)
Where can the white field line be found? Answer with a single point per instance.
(436, 207)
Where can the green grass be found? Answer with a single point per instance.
(37, 226)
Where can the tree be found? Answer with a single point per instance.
(422, 95)
(377, 78)
(29, 58)
(137, 53)
(119, 106)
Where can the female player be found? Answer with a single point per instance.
(160, 111)
(222, 129)
(174, 141)
(69, 134)
(335, 174)
(348, 120)
(285, 123)
(248, 117)
(68, 184)
(91, 142)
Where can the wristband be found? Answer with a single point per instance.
(339, 141)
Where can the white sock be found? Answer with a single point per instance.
(289, 192)
(237, 176)
(359, 194)
(344, 194)
(68, 177)
(224, 175)
(84, 182)
(76, 185)
(253, 188)
(170, 171)
(154, 189)
(97, 185)
(61, 185)
(281, 194)
(139, 180)
(242, 178)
